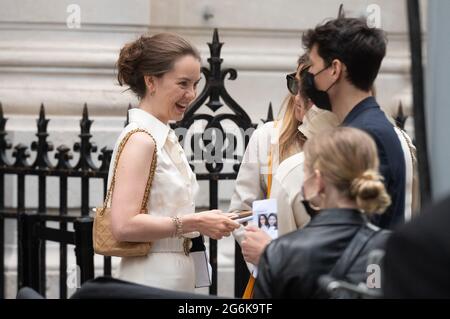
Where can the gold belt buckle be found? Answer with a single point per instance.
(187, 243)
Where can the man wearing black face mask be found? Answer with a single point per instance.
(345, 56)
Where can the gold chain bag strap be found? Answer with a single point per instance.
(104, 241)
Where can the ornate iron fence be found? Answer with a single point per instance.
(32, 229)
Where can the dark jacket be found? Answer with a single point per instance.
(368, 117)
(111, 288)
(292, 264)
(417, 260)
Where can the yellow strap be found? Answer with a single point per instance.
(248, 293)
(150, 176)
(269, 176)
(249, 289)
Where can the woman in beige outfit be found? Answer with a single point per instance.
(163, 71)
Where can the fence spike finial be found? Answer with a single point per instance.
(3, 121)
(42, 111)
(42, 146)
(216, 36)
(85, 122)
(85, 111)
(42, 122)
(85, 147)
(269, 114)
(214, 48)
(400, 118)
(341, 13)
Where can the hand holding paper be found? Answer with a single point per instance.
(254, 243)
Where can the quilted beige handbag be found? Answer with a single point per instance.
(104, 241)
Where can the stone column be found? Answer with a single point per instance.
(437, 105)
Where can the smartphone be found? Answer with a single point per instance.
(242, 214)
(243, 217)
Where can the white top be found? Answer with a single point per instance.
(411, 190)
(286, 189)
(251, 182)
(172, 194)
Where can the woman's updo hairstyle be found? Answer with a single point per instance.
(150, 55)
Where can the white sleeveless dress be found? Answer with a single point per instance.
(172, 194)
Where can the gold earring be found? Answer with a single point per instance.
(152, 93)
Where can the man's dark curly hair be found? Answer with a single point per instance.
(351, 41)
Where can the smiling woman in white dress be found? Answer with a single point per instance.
(163, 71)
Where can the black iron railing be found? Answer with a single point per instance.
(31, 266)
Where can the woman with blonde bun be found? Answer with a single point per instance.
(341, 186)
(291, 212)
(270, 147)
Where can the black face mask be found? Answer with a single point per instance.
(311, 211)
(318, 97)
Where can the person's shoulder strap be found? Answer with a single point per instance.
(415, 206)
(270, 161)
(354, 248)
(150, 176)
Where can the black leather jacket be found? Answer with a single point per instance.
(292, 264)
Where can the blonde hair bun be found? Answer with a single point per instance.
(370, 193)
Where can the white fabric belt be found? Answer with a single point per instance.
(173, 245)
